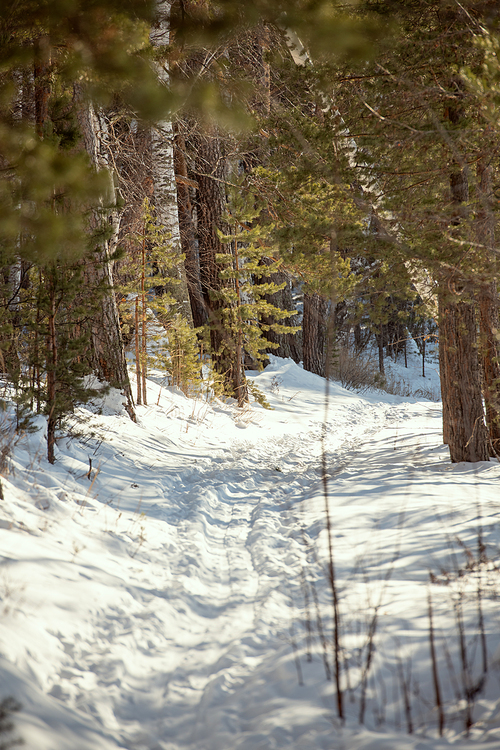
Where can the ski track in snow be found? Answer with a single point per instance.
(228, 511)
(184, 633)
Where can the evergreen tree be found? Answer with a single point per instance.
(149, 268)
(54, 200)
(245, 291)
(63, 313)
(420, 140)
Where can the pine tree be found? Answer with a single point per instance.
(245, 291)
(162, 162)
(50, 193)
(314, 221)
(150, 268)
(63, 312)
(420, 140)
(177, 353)
(55, 200)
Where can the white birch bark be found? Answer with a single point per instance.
(162, 146)
(301, 58)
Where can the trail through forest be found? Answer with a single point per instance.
(174, 595)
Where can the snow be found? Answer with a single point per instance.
(159, 583)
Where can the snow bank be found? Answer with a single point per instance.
(164, 584)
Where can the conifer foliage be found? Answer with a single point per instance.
(246, 289)
(360, 180)
(55, 202)
(427, 149)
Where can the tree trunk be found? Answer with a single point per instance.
(188, 232)
(211, 198)
(164, 185)
(379, 336)
(137, 341)
(488, 305)
(264, 37)
(108, 349)
(109, 352)
(238, 373)
(464, 429)
(463, 417)
(210, 170)
(314, 331)
(41, 75)
(51, 367)
(144, 326)
(489, 352)
(444, 375)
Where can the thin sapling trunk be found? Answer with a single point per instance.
(137, 354)
(144, 323)
(51, 374)
(405, 689)
(307, 612)
(324, 477)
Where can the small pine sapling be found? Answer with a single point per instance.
(48, 337)
(244, 291)
(65, 307)
(178, 354)
(148, 278)
(259, 396)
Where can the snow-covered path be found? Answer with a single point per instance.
(232, 563)
(174, 599)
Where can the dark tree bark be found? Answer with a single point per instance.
(288, 343)
(109, 352)
(314, 333)
(489, 351)
(188, 232)
(108, 349)
(41, 73)
(51, 361)
(464, 429)
(488, 305)
(361, 338)
(463, 416)
(211, 199)
(379, 336)
(210, 172)
(395, 331)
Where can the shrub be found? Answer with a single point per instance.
(355, 371)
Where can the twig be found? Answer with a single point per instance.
(324, 477)
(307, 615)
(466, 681)
(406, 695)
(435, 675)
(481, 558)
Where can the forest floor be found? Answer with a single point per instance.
(165, 586)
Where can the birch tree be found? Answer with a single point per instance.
(163, 166)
